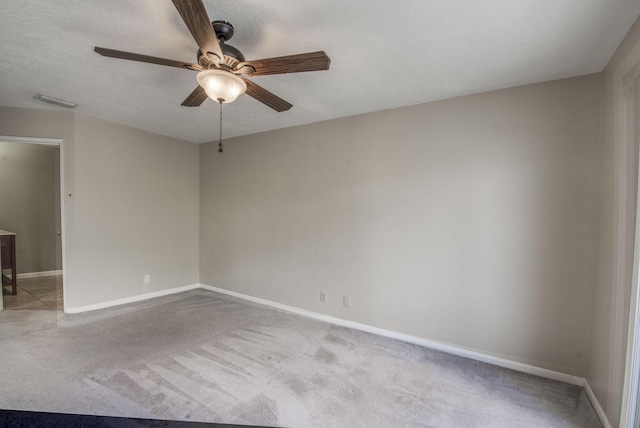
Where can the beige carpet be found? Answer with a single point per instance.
(202, 356)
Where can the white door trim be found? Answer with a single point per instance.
(625, 92)
(56, 142)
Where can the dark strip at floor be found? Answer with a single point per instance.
(16, 418)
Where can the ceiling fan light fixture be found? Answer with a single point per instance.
(221, 85)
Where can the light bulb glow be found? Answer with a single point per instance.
(221, 85)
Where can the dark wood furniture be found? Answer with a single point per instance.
(8, 260)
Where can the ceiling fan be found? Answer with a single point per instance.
(222, 69)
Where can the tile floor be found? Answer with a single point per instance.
(42, 293)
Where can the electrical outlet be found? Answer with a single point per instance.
(147, 279)
(323, 297)
(345, 302)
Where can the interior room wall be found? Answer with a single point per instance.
(130, 204)
(468, 221)
(28, 192)
(608, 340)
(136, 211)
(58, 210)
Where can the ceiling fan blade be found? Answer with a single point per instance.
(195, 98)
(145, 58)
(266, 97)
(312, 61)
(195, 16)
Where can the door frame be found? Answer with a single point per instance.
(627, 118)
(54, 142)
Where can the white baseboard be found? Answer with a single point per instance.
(432, 344)
(451, 349)
(38, 274)
(131, 299)
(596, 405)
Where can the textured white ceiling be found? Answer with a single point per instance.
(383, 54)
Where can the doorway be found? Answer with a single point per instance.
(630, 133)
(31, 213)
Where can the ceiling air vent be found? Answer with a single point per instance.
(55, 101)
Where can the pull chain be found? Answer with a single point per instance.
(220, 100)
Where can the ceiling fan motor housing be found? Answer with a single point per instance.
(224, 31)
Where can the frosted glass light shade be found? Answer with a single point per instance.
(220, 84)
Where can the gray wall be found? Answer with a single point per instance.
(610, 316)
(130, 201)
(136, 211)
(468, 221)
(28, 194)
